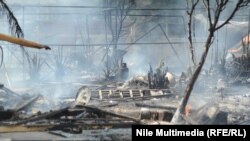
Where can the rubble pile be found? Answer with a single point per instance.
(238, 68)
(137, 82)
(90, 109)
(108, 107)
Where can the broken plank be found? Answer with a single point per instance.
(139, 98)
(22, 128)
(113, 114)
(156, 106)
(26, 103)
(53, 114)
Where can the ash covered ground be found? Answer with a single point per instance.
(90, 70)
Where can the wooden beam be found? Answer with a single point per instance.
(22, 42)
(112, 114)
(22, 128)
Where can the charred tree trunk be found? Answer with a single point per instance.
(181, 110)
(220, 6)
(197, 71)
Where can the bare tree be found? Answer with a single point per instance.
(16, 30)
(107, 68)
(35, 65)
(14, 26)
(13, 23)
(61, 62)
(84, 55)
(213, 18)
(190, 21)
(115, 23)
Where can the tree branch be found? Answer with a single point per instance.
(208, 12)
(240, 3)
(212, 28)
(15, 28)
(190, 38)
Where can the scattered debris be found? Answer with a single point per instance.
(104, 107)
(210, 114)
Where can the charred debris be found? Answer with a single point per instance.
(99, 90)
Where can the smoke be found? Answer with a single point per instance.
(82, 36)
(54, 2)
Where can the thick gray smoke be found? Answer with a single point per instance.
(79, 37)
(54, 2)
